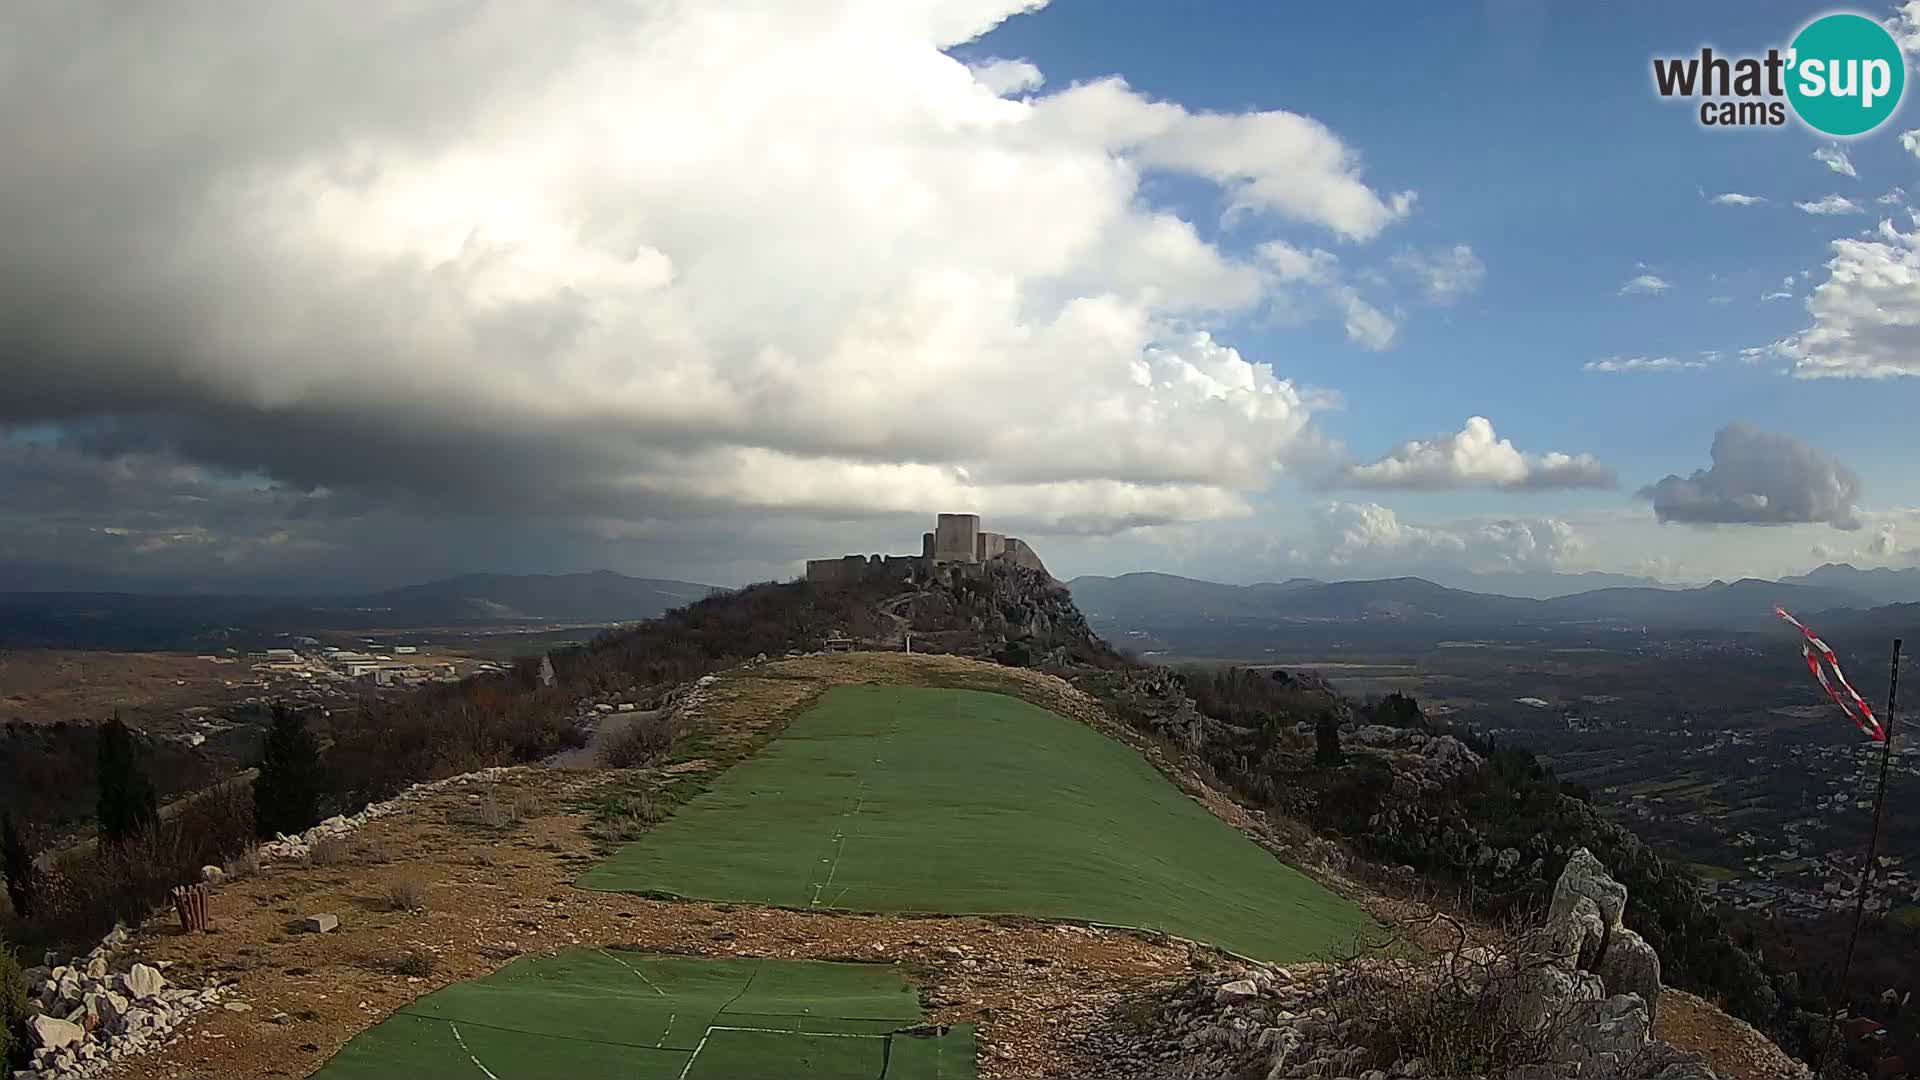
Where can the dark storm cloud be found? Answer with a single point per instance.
(1760, 478)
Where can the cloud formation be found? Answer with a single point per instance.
(1828, 205)
(1475, 457)
(1641, 363)
(515, 266)
(1835, 158)
(1866, 314)
(1734, 198)
(1760, 478)
(1645, 283)
(1444, 275)
(1358, 539)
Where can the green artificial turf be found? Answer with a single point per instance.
(929, 800)
(600, 1015)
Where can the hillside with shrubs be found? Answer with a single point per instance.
(1409, 797)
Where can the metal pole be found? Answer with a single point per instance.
(1873, 839)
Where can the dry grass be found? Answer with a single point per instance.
(327, 851)
(407, 894)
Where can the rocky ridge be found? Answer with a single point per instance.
(1577, 996)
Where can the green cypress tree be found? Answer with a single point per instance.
(15, 1045)
(128, 804)
(17, 863)
(1326, 731)
(286, 795)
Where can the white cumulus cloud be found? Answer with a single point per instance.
(612, 262)
(1354, 539)
(1475, 457)
(1866, 314)
(1734, 198)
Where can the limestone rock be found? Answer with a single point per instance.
(1630, 966)
(142, 982)
(1585, 876)
(1578, 934)
(1237, 990)
(55, 1033)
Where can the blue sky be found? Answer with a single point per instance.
(1532, 133)
(563, 297)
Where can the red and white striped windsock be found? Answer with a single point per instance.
(1820, 658)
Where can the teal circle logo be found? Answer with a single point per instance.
(1845, 74)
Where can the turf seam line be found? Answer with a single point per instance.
(455, 1028)
(859, 800)
(636, 971)
(536, 1034)
(809, 1034)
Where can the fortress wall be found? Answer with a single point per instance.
(1019, 551)
(990, 546)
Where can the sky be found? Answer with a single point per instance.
(297, 301)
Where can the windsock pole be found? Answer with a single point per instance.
(1873, 846)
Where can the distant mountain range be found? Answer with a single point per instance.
(1144, 599)
(114, 620)
(1879, 584)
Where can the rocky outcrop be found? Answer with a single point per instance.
(96, 1009)
(1580, 991)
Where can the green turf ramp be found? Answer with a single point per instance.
(917, 799)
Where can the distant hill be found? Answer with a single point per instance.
(602, 596)
(1542, 585)
(1879, 585)
(126, 620)
(1148, 598)
(1744, 604)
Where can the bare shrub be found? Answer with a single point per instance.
(85, 891)
(327, 851)
(416, 962)
(244, 865)
(1459, 1014)
(488, 813)
(407, 894)
(526, 805)
(643, 742)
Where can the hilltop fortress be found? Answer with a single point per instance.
(956, 543)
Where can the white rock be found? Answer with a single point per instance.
(1237, 990)
(142, 982)
(322, 923)
(55, 1033)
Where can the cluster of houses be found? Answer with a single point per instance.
(395, 666)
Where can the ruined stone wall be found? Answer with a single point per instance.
(990, 546)
(1021, 553)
